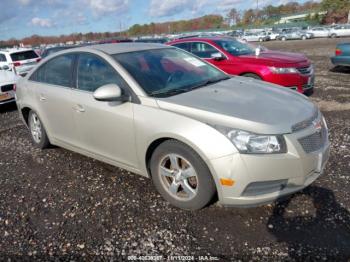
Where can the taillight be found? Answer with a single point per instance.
(17, 64)
(338, 51)
(38, 60)
(14, 87)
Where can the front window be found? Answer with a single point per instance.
(93, 72)
(203, 50)
(234, 47)
(169, 71)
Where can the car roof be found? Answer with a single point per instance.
(15, 50)
(210, 38)
(119, 48)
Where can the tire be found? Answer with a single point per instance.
(37, 131)
(333, 36)
(309, 92)
(252, 75)
(303, 37)
(260, 39)
(283, 38)
(199, 180)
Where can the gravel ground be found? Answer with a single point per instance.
(55, 204)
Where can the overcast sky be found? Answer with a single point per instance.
(20, 18)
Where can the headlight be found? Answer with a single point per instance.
(283, 70)
(250, 143)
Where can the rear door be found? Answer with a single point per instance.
(105, 128)
(53, 83)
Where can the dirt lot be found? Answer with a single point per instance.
(58, 204)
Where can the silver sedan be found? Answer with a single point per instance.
(162, 113)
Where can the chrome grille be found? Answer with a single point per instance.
(315, 141)
(305, 70)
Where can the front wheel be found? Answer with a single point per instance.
(303, 37)
(37, 131)
(333, 35)
(181, 176)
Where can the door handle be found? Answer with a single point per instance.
(79, 109)
(42, 97)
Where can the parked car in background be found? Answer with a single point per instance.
(152, 40)
(52, 50)
(339, 31)
(319, 31)
(342, 55)
(8, 79)
(273, 35)
(291, 70)
(22, 60)
(115, 40)
(163, 113)
(255, 37)
(292, 34)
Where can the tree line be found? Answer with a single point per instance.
(337, 12)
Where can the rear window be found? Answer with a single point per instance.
(23, 55)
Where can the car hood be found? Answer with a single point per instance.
(278, 58)
(243, 103)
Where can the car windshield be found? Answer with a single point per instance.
(168, 71)
(235, 47)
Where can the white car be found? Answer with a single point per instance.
(319, 31)
(340, 30)
(273, 35)
(22, 60)
(8, 80)
(255, 37)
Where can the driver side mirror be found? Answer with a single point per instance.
(218, 56)
(110, 93)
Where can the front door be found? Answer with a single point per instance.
(105, 128)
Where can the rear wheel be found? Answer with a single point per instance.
(303, 37)
(260, 39)
(283, 38)
(181, 176)
(333, 35)
(37, 131)
(252, 75)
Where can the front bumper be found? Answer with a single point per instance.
(260, 179)
(299, 82)
(341, 60)
(7, 97)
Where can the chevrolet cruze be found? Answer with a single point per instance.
(160, 112)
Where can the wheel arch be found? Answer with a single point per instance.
(25, 114)
(253, 73)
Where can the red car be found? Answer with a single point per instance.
(291, 70)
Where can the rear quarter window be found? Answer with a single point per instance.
(25, 55)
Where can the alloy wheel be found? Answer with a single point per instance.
(35, 128)
(178, 177)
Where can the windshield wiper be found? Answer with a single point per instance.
(209, 82)
(185, 89)
(171, 92)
